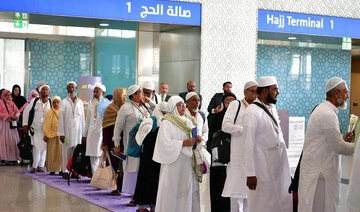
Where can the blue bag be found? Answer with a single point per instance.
(134, 150)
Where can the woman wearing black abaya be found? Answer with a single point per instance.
(218, 171)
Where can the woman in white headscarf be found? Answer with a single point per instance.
(178, 188)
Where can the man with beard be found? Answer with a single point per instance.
(93, 125)
(41, 106)
(266, 163)
(191, 87)
(151, 99)
(192, 104)
(215, 105)
(71, 124)
(320, 166)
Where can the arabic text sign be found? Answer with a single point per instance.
(296, 23)
(169, 12)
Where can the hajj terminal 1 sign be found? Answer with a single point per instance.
(297, 23)
(169, 12)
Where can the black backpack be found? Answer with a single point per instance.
(32, 114)
(80, 163)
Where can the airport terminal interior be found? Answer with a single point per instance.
(57, 49)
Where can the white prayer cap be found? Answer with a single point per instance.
(191, 94)
(173, 101)
(332, 83)
(144, 128)
(99, 85)
(43, 86)
(149, 85)
(132, 89)
(163, 106)
(267, 81)
(249, 84)
(72, 82)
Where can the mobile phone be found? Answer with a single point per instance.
(120, 157)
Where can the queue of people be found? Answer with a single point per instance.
(175, 138)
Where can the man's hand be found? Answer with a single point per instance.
(117, 150)
(188, 142)
(217, 109)
(62, 139)
(104, 148)
(45, 138)
(24, 129)
(348, 137)
(251, 182)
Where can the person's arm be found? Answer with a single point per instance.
(337, 142)
(212, 104)
(250, 126)
(87, 121)
(228, 125)
(61, 124)
(119, 126)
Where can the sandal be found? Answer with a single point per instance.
(115, 193)
(131, 203)
(33, 170)
(39, 170)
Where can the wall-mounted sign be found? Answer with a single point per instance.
(296, 23)
(21, 24)
(170, 12)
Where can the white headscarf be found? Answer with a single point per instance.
(172, 104)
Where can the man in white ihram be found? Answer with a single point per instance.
(320, 166)
(235, 184)
(266, 162)
(41, 106)
(71, 124)
(93, 125)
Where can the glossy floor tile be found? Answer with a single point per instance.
(19, 192)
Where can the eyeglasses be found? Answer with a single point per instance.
(181, 104)
(252, 91)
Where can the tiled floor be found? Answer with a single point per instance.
(19, 192)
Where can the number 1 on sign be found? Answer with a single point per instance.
(331, 24)
(129, 6)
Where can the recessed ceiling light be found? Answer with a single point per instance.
(292, 38)
(104, 24)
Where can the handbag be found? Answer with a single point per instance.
(220, 144)
(133, 148)
(221, 147)
(104, 176)
(13, 124)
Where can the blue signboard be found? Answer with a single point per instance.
(169, 12)
(296, 23)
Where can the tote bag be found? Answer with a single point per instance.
(104, 176)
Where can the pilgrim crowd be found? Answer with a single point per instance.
(175, 141)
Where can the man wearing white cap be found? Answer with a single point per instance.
(266, 162)
(191, 87)
(151, 98)
(93, 125)
(235, 184)
(128, 116)
(41, 105)
(320, 166)
(71, 124)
